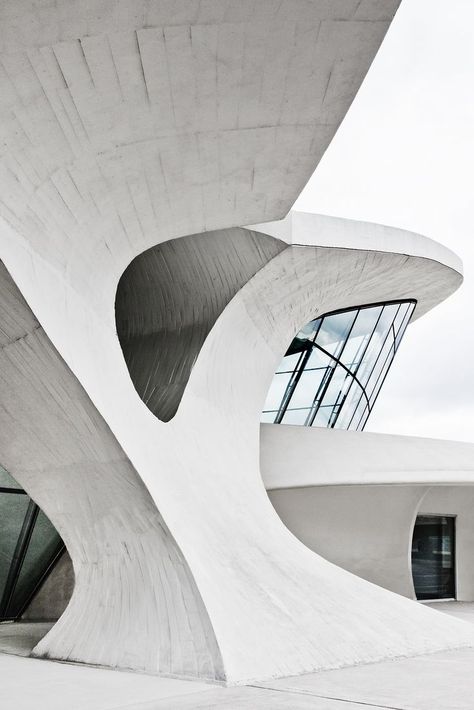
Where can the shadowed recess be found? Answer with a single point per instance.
(169, 298)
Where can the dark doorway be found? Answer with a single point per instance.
(433, 557)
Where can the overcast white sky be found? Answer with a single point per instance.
(404, 156)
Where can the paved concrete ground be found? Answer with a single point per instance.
(441, 681)
(21, 637)
(462, 610)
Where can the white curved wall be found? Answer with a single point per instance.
(364, 529)
(353, 497)
(368, 529)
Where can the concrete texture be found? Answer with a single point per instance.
(53, 596)
(299, 457)
(30, 683)
(125, 125)
(317, 230)
(128, 124)
(434, 682)
(255, 581)
(461, 610)
(364, 529)
(321, 483)
(368, 529)
(20, 638)
(131, 580)
(167, 303)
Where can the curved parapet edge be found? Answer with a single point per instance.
(307, 229)
(330, 457)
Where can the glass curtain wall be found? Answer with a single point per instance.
(333, 370)
(29, 547)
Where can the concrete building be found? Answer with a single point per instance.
(167, 329)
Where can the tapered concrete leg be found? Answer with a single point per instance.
(135, 603)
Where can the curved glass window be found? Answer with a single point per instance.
(29, 547)
(333, 370)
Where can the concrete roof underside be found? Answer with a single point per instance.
(127, 123)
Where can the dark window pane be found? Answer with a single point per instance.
(432, 557)
(13, 507)
(42, 549)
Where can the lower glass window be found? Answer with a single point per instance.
(29, 547)
(433, 557)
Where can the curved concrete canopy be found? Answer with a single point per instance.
(170, 296)
(293, 457)
(305, 229)
(127, 124)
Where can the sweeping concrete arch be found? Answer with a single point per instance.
(274, 606)
(135, 603)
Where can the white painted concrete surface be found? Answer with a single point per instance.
(121, 129)
(353, 497)
(293, 457)
(31, 683)
(439, 681)
(258, 584)
(308, 229)
(364, 529)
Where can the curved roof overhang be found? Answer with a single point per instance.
(127, 124)
(439, 269)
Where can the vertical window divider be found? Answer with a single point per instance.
(295, 378)
(312, 413)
